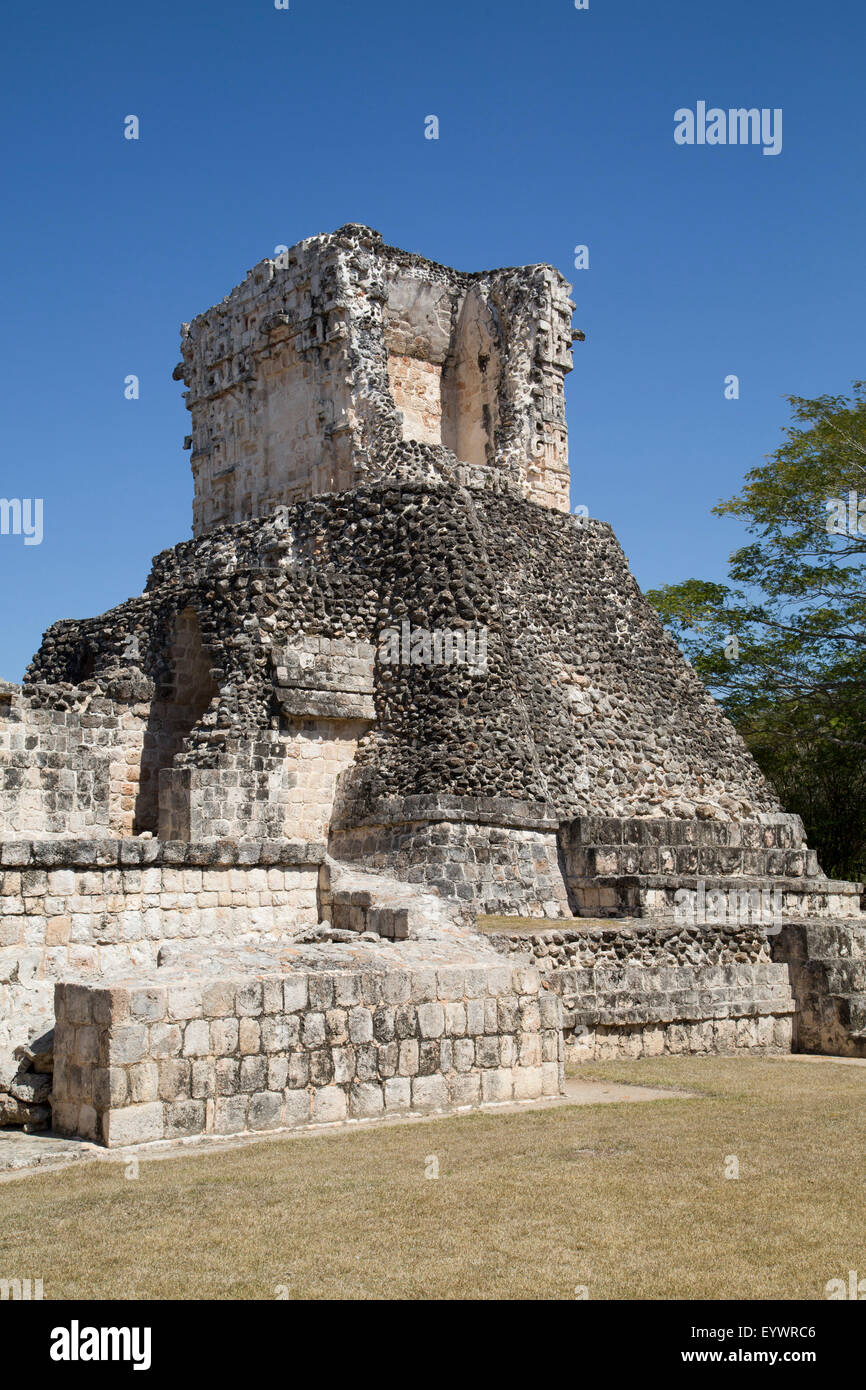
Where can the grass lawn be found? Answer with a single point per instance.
(629, 1200)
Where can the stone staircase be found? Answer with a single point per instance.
(638, 981)
(757, 874)
(358, 900)
(637, 867)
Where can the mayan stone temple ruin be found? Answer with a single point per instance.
(256, 821)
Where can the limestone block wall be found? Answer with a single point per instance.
(267, 376)
(68, 768)
(243, 788)
(324, 688)
(180, 1055)
(321, 753)
(80, 909)
(282, 783)
(180, 704)
(636, 989)
(77, 771)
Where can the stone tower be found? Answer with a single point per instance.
(312, 373)
(275, 779)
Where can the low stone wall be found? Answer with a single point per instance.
(184, 1054)
(647, 1012)
(642, 989)
(84, 908)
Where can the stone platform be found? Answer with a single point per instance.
(248, 817)
(262, 1039)
(639, 988)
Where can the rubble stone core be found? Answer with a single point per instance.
(250, 818)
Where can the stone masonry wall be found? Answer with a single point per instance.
(172, 1057)
(300, 379)
(489, 868)
(645, 989)
(584, 703)
(66, 770)
(86, 908)
(282, 783)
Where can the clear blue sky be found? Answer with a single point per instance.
(261, 127)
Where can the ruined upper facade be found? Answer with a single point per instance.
(303, 379)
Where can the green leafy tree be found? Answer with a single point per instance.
(783, 643)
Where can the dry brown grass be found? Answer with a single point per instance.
(629, 1200)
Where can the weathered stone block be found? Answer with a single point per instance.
(465, 1089)
(183, 1118)
(127, 1044)
(528, 1083)
(497, 1084)
(265, 1110)
(429, 1093)
(253, 1073)
(196, 1038)
(431, 1020)
(298, 1070)
(365, 1100)
(249, 1036)
(297, 1107)
(174, 1080)
(329, 1105)
(398, 1093)
(134, 1124)
(143, 1081)
(230, 1114)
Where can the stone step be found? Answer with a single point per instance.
(357, 900)
(816, 940)
(661, 895)
(782, 832)
(605, 861)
